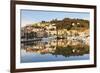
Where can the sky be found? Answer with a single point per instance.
(34, 16)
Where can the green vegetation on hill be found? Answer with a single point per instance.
(66, 23)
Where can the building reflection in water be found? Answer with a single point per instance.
(56, 47)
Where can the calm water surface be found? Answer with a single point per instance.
(54, 50)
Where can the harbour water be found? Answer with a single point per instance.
(54, 50)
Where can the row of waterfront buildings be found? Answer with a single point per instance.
(50, 30)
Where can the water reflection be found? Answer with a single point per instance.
(55, 47)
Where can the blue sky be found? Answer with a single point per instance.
(33, 16)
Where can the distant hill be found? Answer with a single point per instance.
(68, 23)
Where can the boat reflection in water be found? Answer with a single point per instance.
(54, 50)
